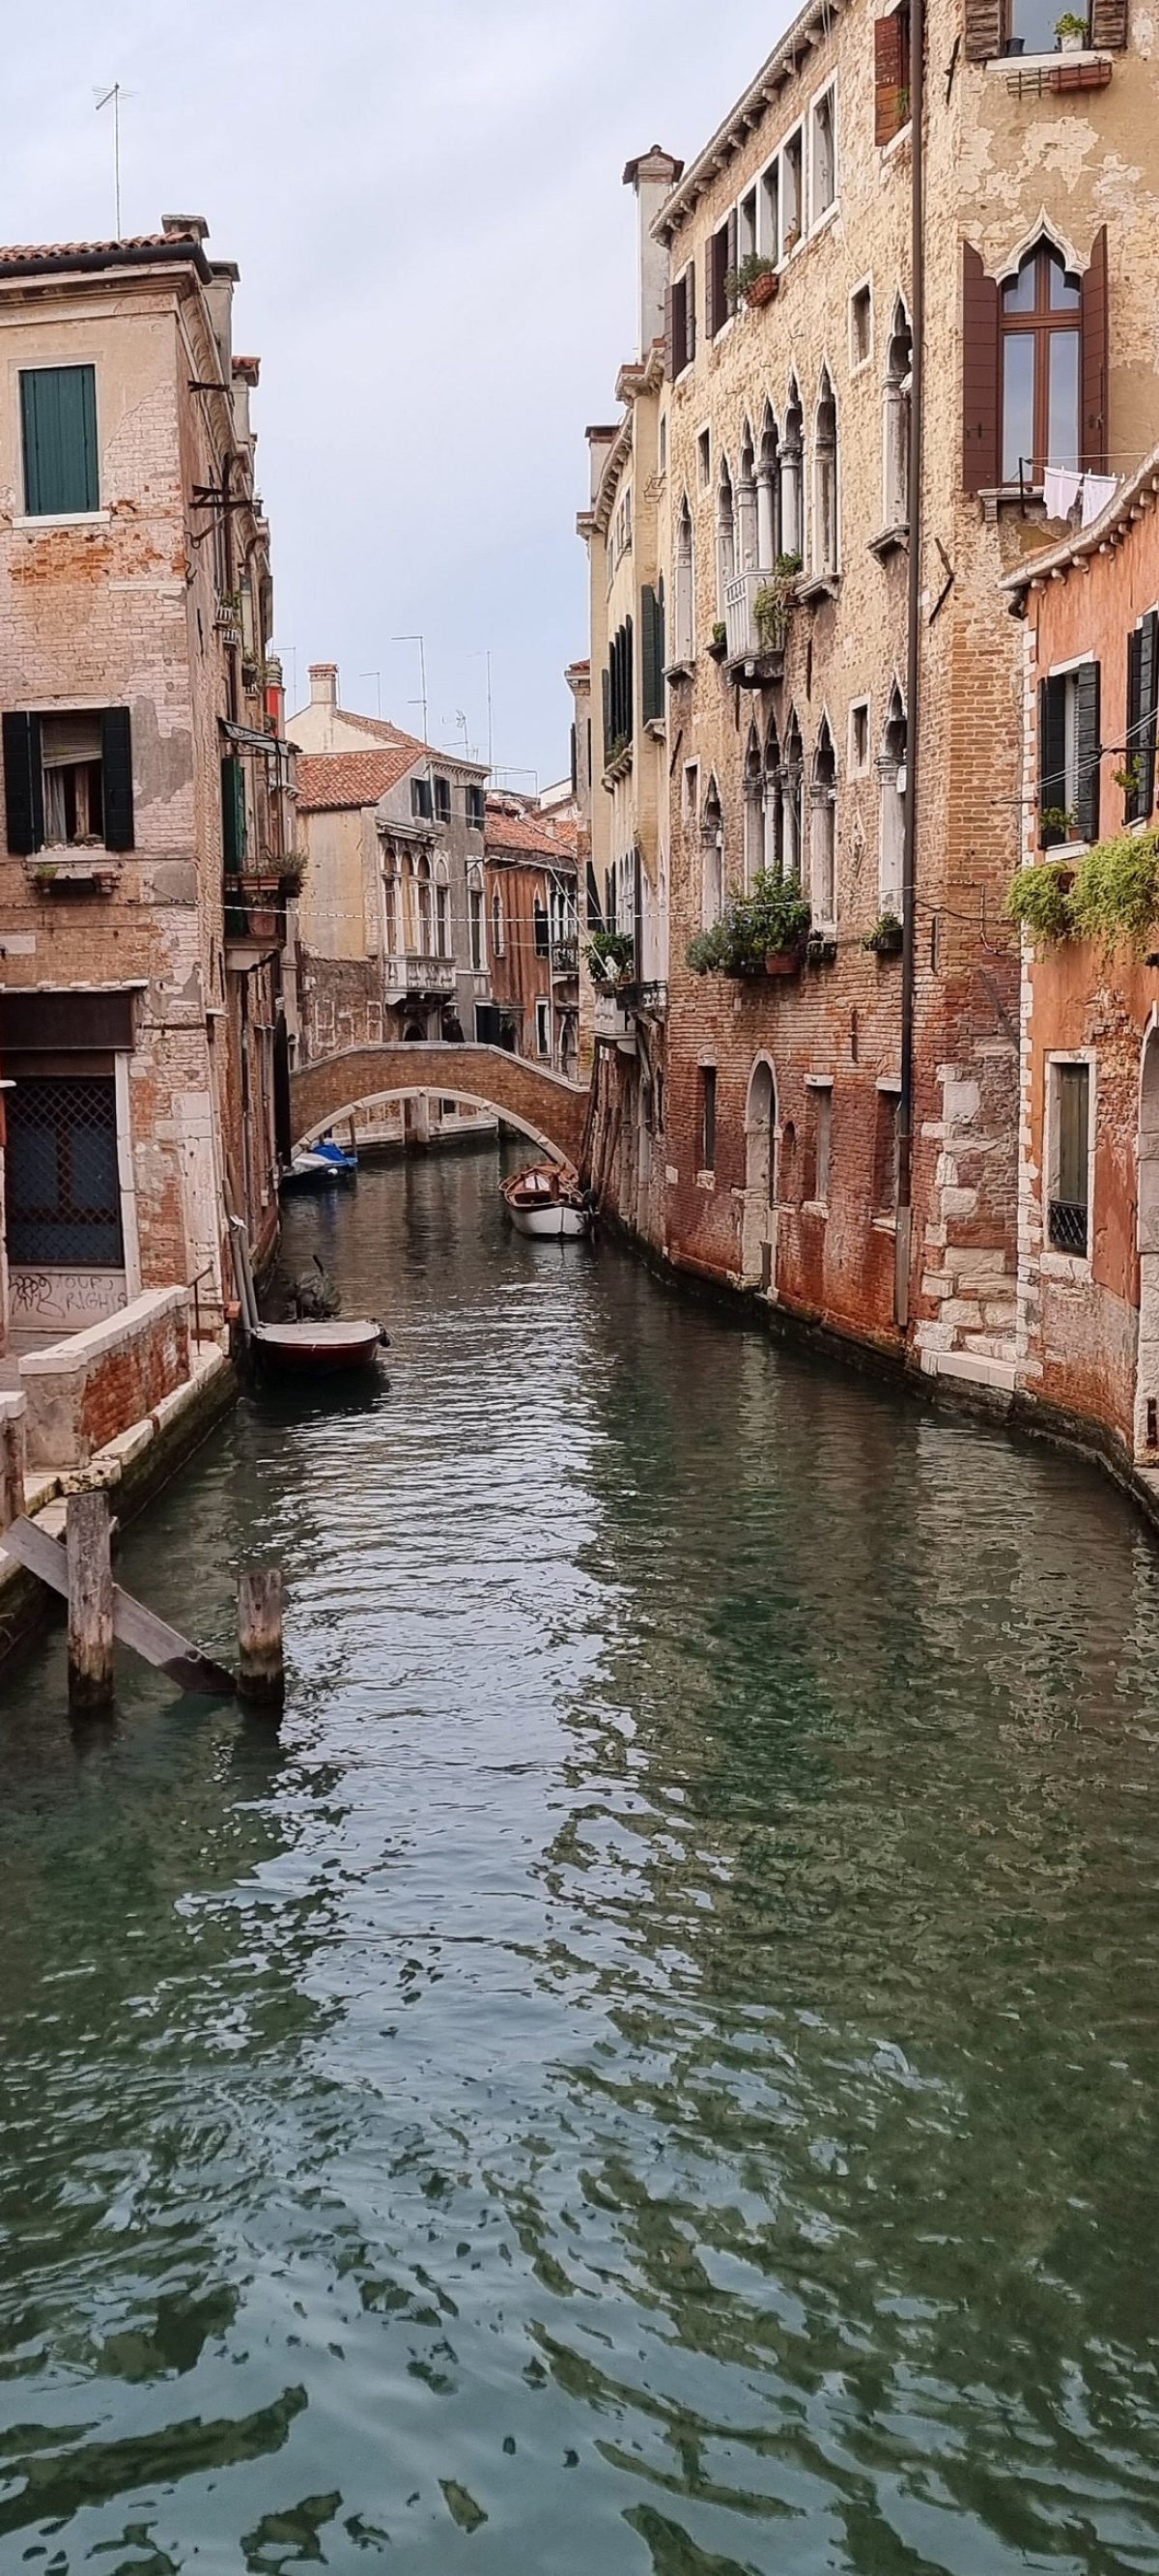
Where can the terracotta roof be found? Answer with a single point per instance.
(380, 731)
(331, 782)
(537, 836)
(134, 246)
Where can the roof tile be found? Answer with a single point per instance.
(332, 782)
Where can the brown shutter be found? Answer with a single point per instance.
(1093, 422)
(668, 367)
(1109, 26)
(979, 374)
(890, 82)
(690, 313)
(983, 30)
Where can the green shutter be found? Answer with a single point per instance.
(23, 785)
(1051, 758)
(1088, 751)
(58, 417)
(233, 830)
(117, 777)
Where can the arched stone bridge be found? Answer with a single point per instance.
(544, 1105)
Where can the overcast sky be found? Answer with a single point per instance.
(438, 273)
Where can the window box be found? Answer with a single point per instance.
(885, 938)
(718, 648)
(63, 872)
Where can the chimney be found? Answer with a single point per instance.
(652, 175)
(185, 228)
(599, 440)
(245, 376)
(219, 297)
(323, 684)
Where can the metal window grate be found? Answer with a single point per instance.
(64, 1204)
(1068, 1226)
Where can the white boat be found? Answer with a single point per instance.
(545, 1199)
(309, 1171)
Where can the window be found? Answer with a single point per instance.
(542, 928)
(823, 153)
(818, 1142)
(704, 460)
(773, 852)
(746, 227)
(424, 910)
(476, 809)
(1142, 700)
(712, 857)
(720, 259)
(1040, 335)
(768, 242)
(1031, 27)
(68, 781)
(690, 794)
(898, 392)
(1069, 1156)
(683, 322)
(475, 924)
(791, 785)
(893, 785)
(421, 800)
(792, 485)
(652, 648)
(891, 52)
(1068, 755)
(708, 1117)
(825, 481)
(768, 495)
(543, 1028)
(58, 422)
(662, 445)
(442, 922)
(725, 536)
(754, 817)
(442, 800)
(684, 639)
(860, 326)
(63, 1192)
(747, 534)
(824, 834)
(859, 738)
(885, 1151)
(792, 192)
(497, 924)
(619, 710)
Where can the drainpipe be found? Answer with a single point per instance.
(905, 1107)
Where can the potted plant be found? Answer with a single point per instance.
(885, 938)
(1071, 33)
(718, 643)
(1039, 900)
(773, 602)
(609, 956)
(1057, 823)
(754, 281)
(761, 933)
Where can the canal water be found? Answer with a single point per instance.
(653, 2071)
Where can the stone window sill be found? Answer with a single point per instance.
(66, 519)
(884, 1224)
(1075, 1266)
(815, 1207)
(814, 586)
(891, 541)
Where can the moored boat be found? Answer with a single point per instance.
(311, 1171)
(338, 1343)
(545, 1199)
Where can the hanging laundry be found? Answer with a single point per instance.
(1098, 489)
(1060, 491)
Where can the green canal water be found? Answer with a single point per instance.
(653, 2073)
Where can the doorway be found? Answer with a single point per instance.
(759, 1222)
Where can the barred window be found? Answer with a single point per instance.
(64, 1205)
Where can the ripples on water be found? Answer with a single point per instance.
(655, 2070)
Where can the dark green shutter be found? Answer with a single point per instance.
(1051, 756)
(1148, 692)
(1131, 805)
(652, 650)
(58, 416)
(233, 830)
(1087, 750)
(606, 691)
(23, 785)
(117, 777)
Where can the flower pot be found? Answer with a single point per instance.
(783, 961)
(1072, 44)
(762, 290)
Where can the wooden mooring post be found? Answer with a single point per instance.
(88, 1546)
(260, 1669)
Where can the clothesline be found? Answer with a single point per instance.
(1062, 490)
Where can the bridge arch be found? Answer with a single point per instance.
(544, 1106)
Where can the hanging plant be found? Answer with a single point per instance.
(770, 922)
(885, 938)
(1039, 901)
(609, 955)
(1116, 892)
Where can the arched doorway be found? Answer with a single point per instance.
(1147, 1365)
(759, 1222)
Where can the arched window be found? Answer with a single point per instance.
(898, 385)
(725, 535)
(390, 889)
(442, 909)
(792, 483)
(475, 915)
(746, 507)
(684, 639)
(754, 794)
(792, 772)
(1041, 334)
(892, 770)
(823, 801)
(497, 924)
(825, 480)
(774, 838)
(712, 856)
(768, 496)
(425, 923)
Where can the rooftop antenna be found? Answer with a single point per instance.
(376, 676)
(460, 719)
(485, 657)
(418, 702)
(116, 94)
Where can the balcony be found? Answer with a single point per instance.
(754, 647)
(612, 1021)
(416, 976)
(565, 960)
(255, 909)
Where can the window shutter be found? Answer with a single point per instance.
(1109, 26)
(669, 368)
(58, 416)
(1093, 423)
(1051, 755)
(979, 374)
(606, 694)
(983, 30)
(651, 706)
(1087, 750)
(717, 299)
(117, 779)
(233, 826)
(1132, 805)
(890, 77)
(690, 313)
(23, 785)
(1148, 694)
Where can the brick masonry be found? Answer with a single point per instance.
(551, 1110)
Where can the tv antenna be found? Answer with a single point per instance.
(376, 676)
(103, 97)
(420, 701)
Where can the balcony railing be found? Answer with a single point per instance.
(751, 644)
(255, 908)
(417, 973)
(565, 957)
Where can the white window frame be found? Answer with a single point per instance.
(769, 248)
(857, 366)
(859, 768)
(681, 279)
(796, 134)
(543, 1028)
(1070, 779)
(821, 215)
(703, 459)
(690, 794)
(821, 1085)
(1067, 1265)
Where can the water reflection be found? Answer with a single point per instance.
(655, 2069)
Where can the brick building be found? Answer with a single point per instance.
(149, 852)
(532, 928)
(1088, 1274)
(749, 1124)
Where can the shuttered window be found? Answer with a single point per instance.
(1142, 700)
(234, 837)
(721, 259)
(652, 651)
(1034, 368)
(58, 419)
(1069, 1200)
(1069, 755)
(890, 75)
(68, 780)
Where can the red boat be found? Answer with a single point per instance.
(341, 1344)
